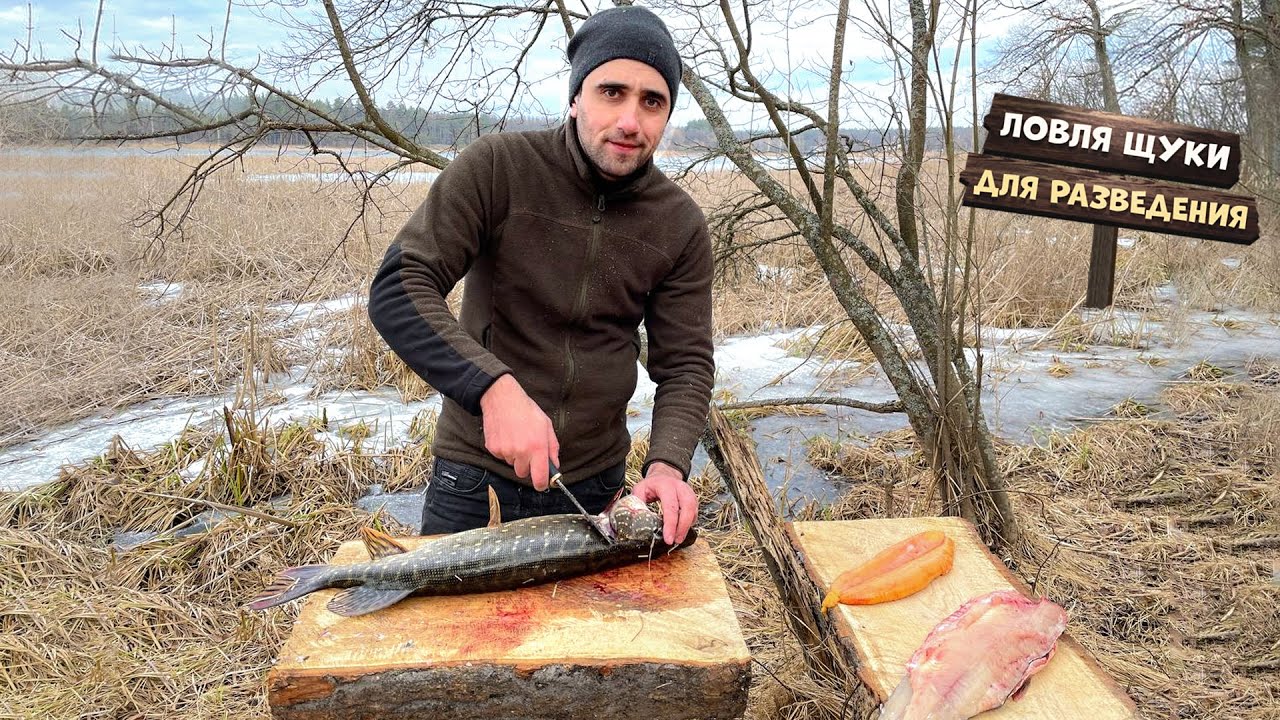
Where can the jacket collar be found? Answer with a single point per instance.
(587, 175)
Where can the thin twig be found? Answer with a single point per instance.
(889, 406)
(220, 506)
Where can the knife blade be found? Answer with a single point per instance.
(592, 520)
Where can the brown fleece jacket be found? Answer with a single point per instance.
(561, 268)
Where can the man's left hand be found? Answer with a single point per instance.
(679, 503)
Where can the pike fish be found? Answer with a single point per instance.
(977, 658)
(498, 557)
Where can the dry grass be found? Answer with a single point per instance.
(84, 324)
(366, 363)
(157, 631)
(1158, 536)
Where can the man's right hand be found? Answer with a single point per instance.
(517, 432)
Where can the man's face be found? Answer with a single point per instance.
(622, 111)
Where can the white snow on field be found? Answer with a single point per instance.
(162, 291)
(1023, 398)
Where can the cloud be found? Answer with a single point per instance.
(16, 15)
(159, 24)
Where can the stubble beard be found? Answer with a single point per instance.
(604, 162)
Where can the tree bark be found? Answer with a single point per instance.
(735, 459)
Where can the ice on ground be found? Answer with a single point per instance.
(401, 176)
(294, 313)
(1030, 388)
(771, 273)
(162, 291)
(152, 424)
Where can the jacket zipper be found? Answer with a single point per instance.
(579, 309)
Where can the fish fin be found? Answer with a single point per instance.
(495, 509)
(365, 599)
(379, 544)
(608, 507)
(290, 584)
(895, 708)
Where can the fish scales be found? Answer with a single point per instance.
(516, 554)
(486, 559)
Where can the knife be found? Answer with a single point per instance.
(592, 520)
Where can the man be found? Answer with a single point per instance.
(568, 239)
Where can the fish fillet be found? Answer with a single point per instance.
(977, 657)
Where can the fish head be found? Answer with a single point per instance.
(631, 519)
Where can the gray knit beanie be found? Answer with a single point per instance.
(627, 32)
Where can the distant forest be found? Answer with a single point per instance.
(47, 123)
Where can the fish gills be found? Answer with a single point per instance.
(977, 657)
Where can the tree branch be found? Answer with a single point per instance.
(889, 406)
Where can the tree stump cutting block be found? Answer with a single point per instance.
(884, 636)
(655, 639)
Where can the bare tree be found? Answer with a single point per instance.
(860, 238)
(1142, 58)
(1254, 29)
(371, 45)
(868, 236)
(1212, 63)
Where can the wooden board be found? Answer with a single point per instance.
(1115, 160)
(885, 636)
(1091, 204)
(577, 648)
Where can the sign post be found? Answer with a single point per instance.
(1065, 162)
(1102, 267)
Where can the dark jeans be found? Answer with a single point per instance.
(458, 496)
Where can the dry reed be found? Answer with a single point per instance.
(100, 315)
(1156, 534)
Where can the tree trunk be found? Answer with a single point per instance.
(1269, 30)
(1110, 98)
(922, 28)
(1258, 78)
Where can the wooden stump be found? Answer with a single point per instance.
(654, 639)
(884, 636)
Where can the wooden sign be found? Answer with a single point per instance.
(1069, 193)
(1049, 132)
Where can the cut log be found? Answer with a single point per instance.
(884, 636)
(654, 639)
(829, 662)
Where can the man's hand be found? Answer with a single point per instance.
(679, 503)
(517, 432)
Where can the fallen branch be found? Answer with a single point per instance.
(890, 406)
(220, 506)
(735, 459)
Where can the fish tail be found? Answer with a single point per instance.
(289, 585)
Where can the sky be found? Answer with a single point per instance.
(792, 55)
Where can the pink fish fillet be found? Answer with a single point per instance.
(977, 657)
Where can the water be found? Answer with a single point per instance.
(669, 162)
